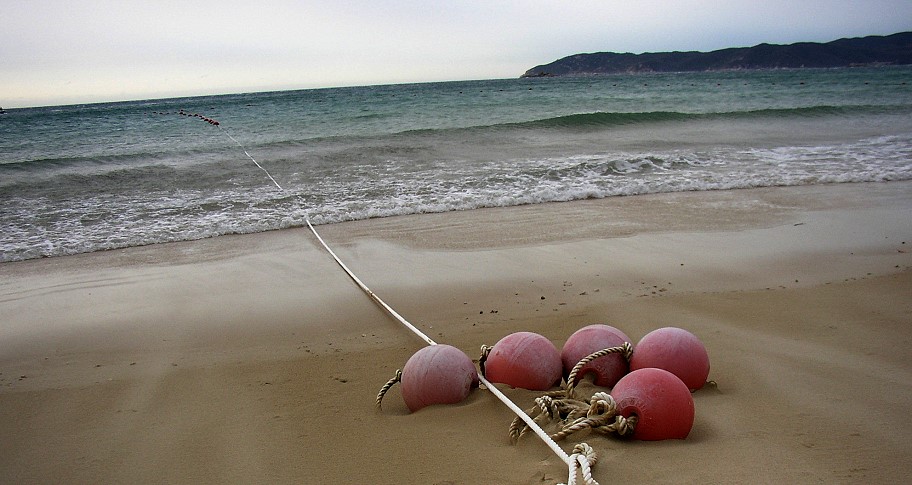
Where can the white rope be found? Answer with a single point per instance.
(574, 462)
(528, 419)
(580, 461)
(367, 290)
(250, 157)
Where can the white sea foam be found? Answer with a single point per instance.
(111, 176)
(107, 222)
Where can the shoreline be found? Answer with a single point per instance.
(254, 358)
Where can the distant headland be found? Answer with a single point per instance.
(875, 50)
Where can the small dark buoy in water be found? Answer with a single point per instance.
(438, 374)
(607, 369)
(526, 360)
(661, 403)
(675, 350)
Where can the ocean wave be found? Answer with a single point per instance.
(607, 119)
(99, 219)
(108, 177)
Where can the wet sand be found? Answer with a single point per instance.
(255, 359)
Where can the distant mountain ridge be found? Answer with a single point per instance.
(873, 50)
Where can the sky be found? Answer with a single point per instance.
(64, 51)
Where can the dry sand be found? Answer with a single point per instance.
(254, 359)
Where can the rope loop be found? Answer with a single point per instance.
(601, 403)
(386, 387)
(586, 451)
(548, 406)
(582, 460)
(626, 350)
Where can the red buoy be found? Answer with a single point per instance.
(438, 374)
(526, 360)
(675, 350)
(607, 369)
(661, 402)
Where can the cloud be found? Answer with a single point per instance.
(57, 50)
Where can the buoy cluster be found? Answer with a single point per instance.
(651, 383)
(191, 115)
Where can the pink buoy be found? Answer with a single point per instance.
(438, 374)
(526, 360)
(675, 350)
(661, 402)
(607, 369)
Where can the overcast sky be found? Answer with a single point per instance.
(69, 51)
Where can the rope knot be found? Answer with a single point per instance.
(583, 449)
(548, 407)
(600, 414)
(602, 403)
(582, 460)
(624, 426)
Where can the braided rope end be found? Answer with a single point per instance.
(386, 387)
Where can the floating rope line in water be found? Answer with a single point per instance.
(219, 125)
(583, 456)
(251, 158)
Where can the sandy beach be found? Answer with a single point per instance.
(255, 359)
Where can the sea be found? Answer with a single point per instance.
(93, 177)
